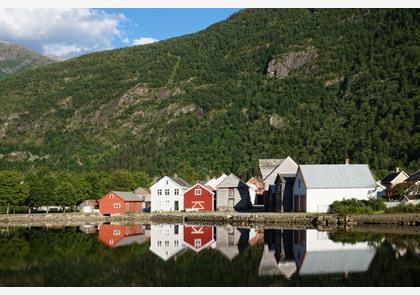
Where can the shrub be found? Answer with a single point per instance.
(357, 206)
(404, 209)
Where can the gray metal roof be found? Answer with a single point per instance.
(128, 196)
(268, 165)
(337, 261)
(337, 176)
(231, 181)
(179, 181)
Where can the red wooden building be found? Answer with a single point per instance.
(114, 203)
(199, 198)
(114, 235)
(198, 237)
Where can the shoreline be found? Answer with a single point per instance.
(316, 220)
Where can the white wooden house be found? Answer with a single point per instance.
(316, 187)
(168, 194)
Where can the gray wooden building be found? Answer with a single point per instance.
(233, 194)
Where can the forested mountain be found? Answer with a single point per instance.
(15, 59)
(318, 85)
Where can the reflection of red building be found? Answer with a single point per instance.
(120, 203)
(198, 237)
(199, 198)
(114, 235)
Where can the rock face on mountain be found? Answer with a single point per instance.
(318, 85)
(15, 58)
(280, 67)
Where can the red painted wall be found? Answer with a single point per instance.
(106, 205)
(202, 233)
(203, 202)
(109, 235)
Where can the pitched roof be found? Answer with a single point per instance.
(206, 187)
(287, 167)
(215, 182)
(231, 181)
(142, 191)
(337, 261)
(337, 176)
(414, 177)
(128, 196)
(179, 181)
(391, 176)
(268, 165)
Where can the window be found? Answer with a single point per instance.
(197, 242)
(167, 182)
(298, 183)
(167, 192)
(176, 243)
(159, 243)
(117, 205)
(117, 232)
(231, 241)
(198, 191)
(111, 196)
(111, 242)
(167, 205)
(231, 192)
(167, 231)
(166, 243)
(177, 192)
(159, 191)
(176, 229)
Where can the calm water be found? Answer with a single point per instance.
(181, 255)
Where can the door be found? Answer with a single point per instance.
(230, 203)
(176, 206)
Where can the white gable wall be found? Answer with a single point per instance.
(319, 199)
(165, 202)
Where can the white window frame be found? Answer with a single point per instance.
(111, 242)
(197, 242)
(111, 196)
(167, 191)
(116, 232)
(117, 205)
(159, 192)
(176, 192)
(197, 191)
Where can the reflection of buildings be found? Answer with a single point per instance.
(198, 237)
(89, 229)
(311, 252)
(167, 240)
(117, 235)
(231, 241)
(315, 253)
(277, 255)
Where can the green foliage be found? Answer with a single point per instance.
(409, 208)
(205, 98)
(67, 189)
(13, 189)
(354, 206)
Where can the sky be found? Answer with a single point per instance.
(67, 33)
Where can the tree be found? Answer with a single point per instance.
(13, 190)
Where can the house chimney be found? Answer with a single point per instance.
(397, 169)
(347, 162)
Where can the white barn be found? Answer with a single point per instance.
(168, 194)
(316, 187)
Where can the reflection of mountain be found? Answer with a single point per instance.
(315, 253)
(167, 240)
(117, 235)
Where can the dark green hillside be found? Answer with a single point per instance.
(318, 85)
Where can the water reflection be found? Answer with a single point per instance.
(284, 252)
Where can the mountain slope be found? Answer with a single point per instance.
(318, 85)
(15, 59)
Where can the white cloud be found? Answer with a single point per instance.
(143, 41)
(62, 32)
